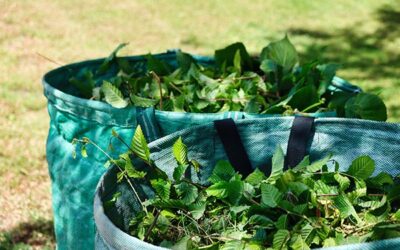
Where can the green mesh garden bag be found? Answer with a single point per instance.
(74, 180)
(344, 138)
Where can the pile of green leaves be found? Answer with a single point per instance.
(272, 83)
(304, 207)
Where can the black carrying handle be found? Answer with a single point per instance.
(299, 137)
(233, 146)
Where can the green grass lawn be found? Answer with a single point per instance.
(362, 36)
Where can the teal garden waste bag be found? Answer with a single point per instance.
(74, 179)
(344, 138)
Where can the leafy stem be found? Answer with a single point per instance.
(86, 140)
(193, 183)
(319, 103)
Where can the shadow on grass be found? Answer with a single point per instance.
(363, 51)
(38, 234)
(368, 52)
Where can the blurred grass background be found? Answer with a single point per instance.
(363, 36)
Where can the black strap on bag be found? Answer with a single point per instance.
(298, 139)
(233, 146)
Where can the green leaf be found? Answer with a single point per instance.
(282, 52)
(381, 180)
(120, 176)
(307, 231)
(237, 62)
(299, 244)
(113, 95)
(373, 204)
(397, 215)
(278, 161)
(281, 238)
(283, 182)
(329, 242)
(300, 208)
(179, 103)
(129, 168)
(225, 57)
(317, 165)
(139, 145)
(303, 98)
(107, 164)
(255, 177)
(142, 102)
(338, 101)
(239, 209)
(254, 246)
(110, 59)
(345, 208)
(268, 66)
(170, 204)
(270, 195)
(158, 66)
(183, 244)
(179, 150)
(282, 222)
(186, 192)
(328, 71)
(83, 151)
(344, 182)
(133, 173)
(260, 235)
(84, 81)
(322, 188)
(185, 61)
(366, 106)
(252, 107)
(223, 171)
(303, 164)
(360, 190)
(297, 187)
(362, 167)
(114, 199)
(232, 190)
(218, 189)
(196, 165)
(233, 245)
(197, 209)
(235, 191)
(162, 188)
(261, 220)
(178, 172)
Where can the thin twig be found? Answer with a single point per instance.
(247, 196)
(322, 101)
(157, 79)
(152, 226)
(175, 87)
(87, 140)
(49, 59)
(238, 78)
(333, 195)
(194, 184)
(199, 228)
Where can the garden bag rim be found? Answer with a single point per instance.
(111, 234)
(55, 95)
